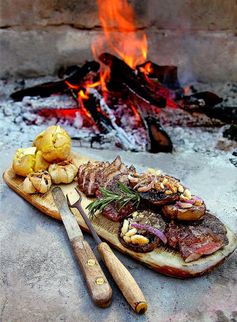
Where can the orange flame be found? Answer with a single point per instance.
(82, 95)
(118, 22)
(148, 68)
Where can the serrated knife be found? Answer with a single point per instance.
(96, 281)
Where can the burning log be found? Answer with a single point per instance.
(47, 89)
(166, 75)
(101, 120)
(121, 72)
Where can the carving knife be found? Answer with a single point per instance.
(118, 271)
(96, 281)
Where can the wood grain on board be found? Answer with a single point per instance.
(162, 259)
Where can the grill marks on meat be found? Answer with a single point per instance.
(93, 175)
(196, 240)
(113, 210)
(193, 239)
(156, 198)
(114, 213)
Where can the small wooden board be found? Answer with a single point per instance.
(162, 259)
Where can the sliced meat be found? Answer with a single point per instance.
(91, 180)
(111, 171)
(93, 175)
(196, 240)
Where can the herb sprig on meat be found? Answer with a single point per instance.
(122, 198)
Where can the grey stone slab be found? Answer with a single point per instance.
(193, 14)
(42, 51)
(83, 14)
(200, 56)
(179, 14)
(40, 279)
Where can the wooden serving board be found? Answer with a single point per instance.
(162, 259)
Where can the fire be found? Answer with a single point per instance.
(148, 68)
(82, 95)
(118, 22)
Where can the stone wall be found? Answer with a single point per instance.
(200, 36)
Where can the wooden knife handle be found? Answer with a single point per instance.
(123, 279)
(96, 281)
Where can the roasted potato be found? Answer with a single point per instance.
(54, 143)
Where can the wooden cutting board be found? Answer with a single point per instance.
(162, 259)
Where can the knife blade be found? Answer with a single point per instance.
(69, 221)
(96, 281)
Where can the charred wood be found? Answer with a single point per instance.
(159, 139)
(166, 75)
(47, 89)
(207, 103)
(201, 100)
(226, 114)
(121, 72)
(231, 133)
(101, 120)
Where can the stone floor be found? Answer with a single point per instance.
(40, 279)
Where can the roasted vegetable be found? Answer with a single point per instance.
(156, 188)
(37, 182)
(54, 143)
(142, 231)
(63, 172)
(185, 209)
(27, 160)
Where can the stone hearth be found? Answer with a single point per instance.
(196, 35)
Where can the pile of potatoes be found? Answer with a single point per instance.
(47, 161)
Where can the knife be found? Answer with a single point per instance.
(96, 281)
(122, 277)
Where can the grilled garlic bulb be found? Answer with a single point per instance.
(37, 182)
(54, 143)
(63, 172)
(27, 160)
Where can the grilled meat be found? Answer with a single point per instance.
(198, 235)
(93, 175)
(155, 188)
(114, 211)
(197, 239)
(156, 198)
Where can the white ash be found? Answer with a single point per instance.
(19, 123)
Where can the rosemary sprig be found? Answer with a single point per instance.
(122, 197)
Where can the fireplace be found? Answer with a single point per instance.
(138, 75)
